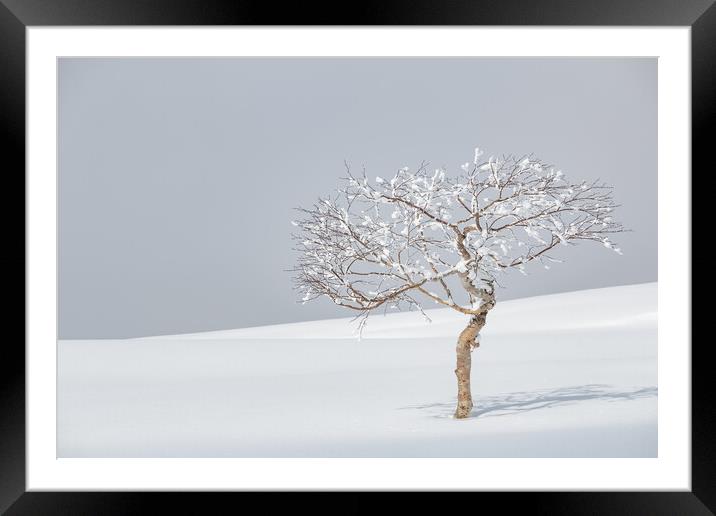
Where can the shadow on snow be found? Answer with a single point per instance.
(517, 402)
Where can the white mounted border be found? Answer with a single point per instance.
(670, 471)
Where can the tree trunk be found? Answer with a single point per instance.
(465, 343)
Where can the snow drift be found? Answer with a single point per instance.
(584, 384)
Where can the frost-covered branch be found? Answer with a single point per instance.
(421, 234)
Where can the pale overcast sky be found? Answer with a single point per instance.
(178, 177)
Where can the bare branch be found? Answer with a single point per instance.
(378, 243)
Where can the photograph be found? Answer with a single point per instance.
(337, 254)
(357, 257)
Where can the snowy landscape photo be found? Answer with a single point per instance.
(357, 257)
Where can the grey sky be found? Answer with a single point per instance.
(178, 177)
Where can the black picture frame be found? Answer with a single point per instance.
(16, 15)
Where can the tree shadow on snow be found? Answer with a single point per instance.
(518, 402)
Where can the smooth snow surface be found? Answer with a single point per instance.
(564, 375)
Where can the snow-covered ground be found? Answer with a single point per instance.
(564, 375)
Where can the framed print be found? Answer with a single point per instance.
(441, 249)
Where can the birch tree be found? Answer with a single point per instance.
(425, 236)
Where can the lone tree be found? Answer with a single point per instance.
(422, 235)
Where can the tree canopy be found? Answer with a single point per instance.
(425, 235)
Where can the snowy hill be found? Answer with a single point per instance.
(626, 305)
(564, 375)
